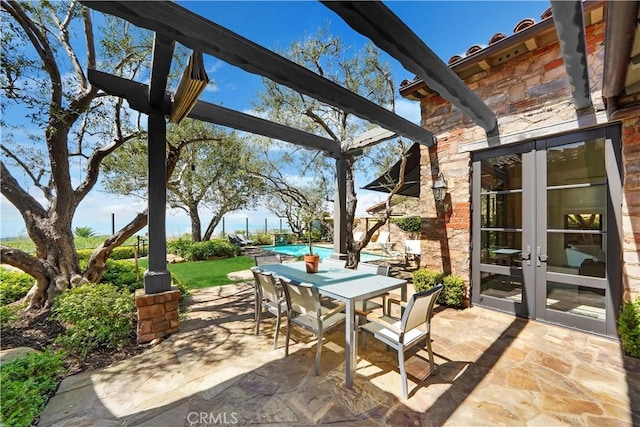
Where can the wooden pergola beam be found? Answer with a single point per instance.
(212, 113)
(162, 55)
(135, 94)
(198, 33)
(377, 22)
(567, 15)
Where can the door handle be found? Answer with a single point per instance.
(527, 256)
(541, 257)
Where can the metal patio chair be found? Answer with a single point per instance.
(411, 329)
(267, 259)
(269, 296)
(365, 307)
(304, 309)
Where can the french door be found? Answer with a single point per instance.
(546, 229)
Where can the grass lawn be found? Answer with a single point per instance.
(204, 274)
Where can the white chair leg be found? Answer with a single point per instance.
(403, 373)
(432, 365)
(318, 352)
(258, 314)
(275, 339)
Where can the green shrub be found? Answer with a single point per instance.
(179, 247)
(26, 384)
(629, 327)
(201, 251)
(83, 256)
(424, 279)
(412, 224)
(262, 239)
(123, 252)
(122, 274)
(94, 316)
(454, 291)
(9, 314)
(14, 285)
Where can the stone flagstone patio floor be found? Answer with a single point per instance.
(493, 369)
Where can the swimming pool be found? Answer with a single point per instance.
(299, 250)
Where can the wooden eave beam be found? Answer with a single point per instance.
(377, 22)
(136, 95)
(569, 22)
(622, 19)
(161, 64)
(198, 33)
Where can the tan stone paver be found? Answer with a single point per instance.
(492, 369)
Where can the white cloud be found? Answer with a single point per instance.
(211, 68)
(212, 87)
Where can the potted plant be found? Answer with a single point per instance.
(311, 260)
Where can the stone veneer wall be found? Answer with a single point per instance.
(529, 94)
(631, 205)
(158, 314)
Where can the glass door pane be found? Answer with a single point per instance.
(500, 234)
(572, 233)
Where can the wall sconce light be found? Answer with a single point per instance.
(440, 190)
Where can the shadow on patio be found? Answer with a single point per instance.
(492, 369)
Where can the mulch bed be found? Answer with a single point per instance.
(37, 331)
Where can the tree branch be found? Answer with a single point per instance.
(309, 113)
(41, 46)
(98, 259)
(18, 197)
(25, 262)
(46, 190)
(64, 40)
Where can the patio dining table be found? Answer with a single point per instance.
(347, 286)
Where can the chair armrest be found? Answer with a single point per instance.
(336, 309)
(377, 319)
(362, 313)
(399, 302)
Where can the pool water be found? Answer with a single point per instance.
(299, 250)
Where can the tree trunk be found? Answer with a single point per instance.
(55, 267)
(196, 231)
(98, 260)
(212, 225)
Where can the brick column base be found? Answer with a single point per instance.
(157, 314)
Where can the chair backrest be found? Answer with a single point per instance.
(267, 259)
(383, 270)
(383, 237)
(380, 270)
(333, 263)
(266, 284)
(302, 298)
(420, 308)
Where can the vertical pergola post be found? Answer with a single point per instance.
(157, 278)
(340, 211)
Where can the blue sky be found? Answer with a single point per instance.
(447, 27)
